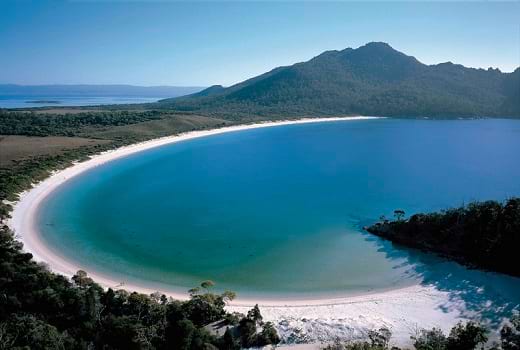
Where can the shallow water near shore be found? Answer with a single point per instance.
(277, 212)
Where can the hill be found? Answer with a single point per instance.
(374, 79)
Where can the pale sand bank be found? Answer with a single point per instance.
(401, 310)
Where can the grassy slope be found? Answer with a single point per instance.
(15, 148)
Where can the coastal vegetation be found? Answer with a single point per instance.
(466, 336)
(37, 124)
(481, 234)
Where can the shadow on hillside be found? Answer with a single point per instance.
(482, 296)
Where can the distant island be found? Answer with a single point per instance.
(44, 101)
(97, 90)
(482, 234)
(374, 79)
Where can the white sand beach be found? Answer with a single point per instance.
(304, 321)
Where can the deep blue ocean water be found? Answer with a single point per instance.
(278, 211)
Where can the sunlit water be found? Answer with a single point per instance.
(278, 211)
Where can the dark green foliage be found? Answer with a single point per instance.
(430, 339)
(374, 79)
(510, 334)
(399, 214)
(482, 234)
(42, 310)
(229, 342)
(204, 308)
(248, 329)
(377, 340)
(466, 336)
(380, 338)
(40, 124)
(268, 335)
(255, 315)
(26, 331)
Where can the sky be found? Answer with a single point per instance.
(204, 43)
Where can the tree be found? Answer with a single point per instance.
(118, 333)
(268, 335)
(255, 315)
(156, 296)
(433, 339)
(510, 334)
(247, 329)
(229, 342)
(194, 291)
(139, 305)
(206, 285)
(399, 214)
(203, 309)
(466, 337)
(81, 279)
(379, 338)
(180, 335)
(228, 295)
(31, 333)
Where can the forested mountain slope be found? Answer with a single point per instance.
(374, 79)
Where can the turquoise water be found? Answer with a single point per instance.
(278, 211)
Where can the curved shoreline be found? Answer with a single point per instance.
(400, 309)
(22, 221)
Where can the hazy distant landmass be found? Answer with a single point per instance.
(97, 90)
(374, 79)
(27, 96)
(44, 101)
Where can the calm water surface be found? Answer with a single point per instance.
(27, 101)
(278, 211)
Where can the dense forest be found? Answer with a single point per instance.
(481, 234)
(373, 79)
(39, 124)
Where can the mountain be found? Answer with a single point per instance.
(96, 90)
(374, 79)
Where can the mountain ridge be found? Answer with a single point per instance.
(374, 79)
